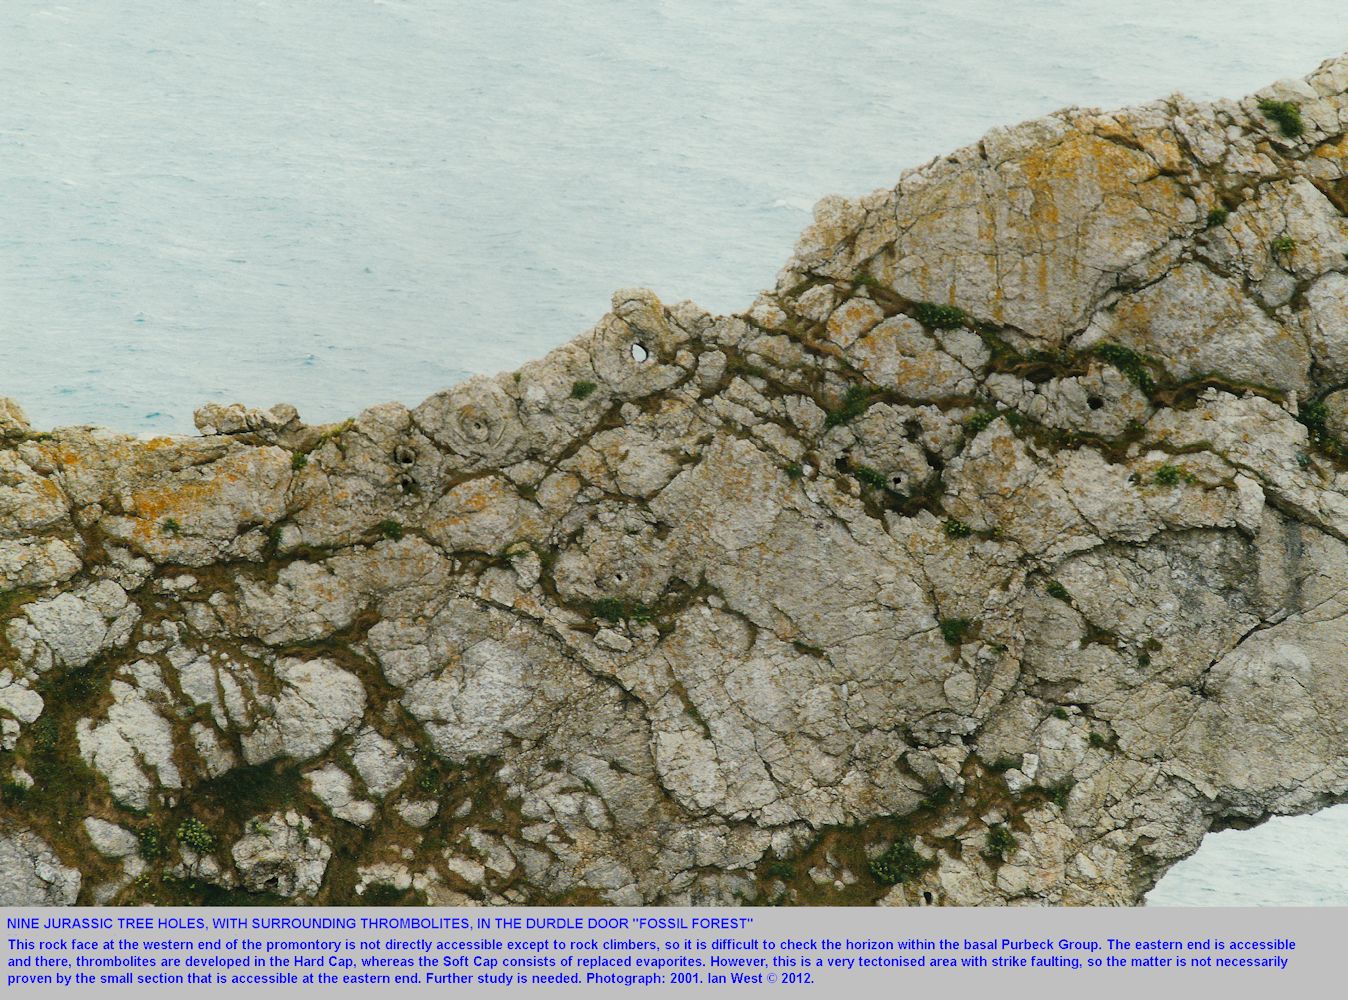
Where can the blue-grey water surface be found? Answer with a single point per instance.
(340, 202)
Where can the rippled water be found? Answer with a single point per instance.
(340, 202)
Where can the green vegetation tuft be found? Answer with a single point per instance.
(171, 526)
(979, 421)
(957, 529)
(853, 404)
(1061, 713)
(152, 846)
(1097, 740)
(1217, 216)
(1003, 764)
(298, 461)
(391, 530)
(899, 863)
(1129, 362)
(1283, 246)
(871, 477)
(614, 610)
(1058, 794)
(1286, 114)
(1169, 475)
(955, 630)
(1057, 590)
(863, 280)
(1001, 841)
(194, 834)
(583, 389)
(794, 471)
(940, 317)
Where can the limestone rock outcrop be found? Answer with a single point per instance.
(994, 556)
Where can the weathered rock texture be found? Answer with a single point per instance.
(995, 556)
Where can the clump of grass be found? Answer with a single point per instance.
(194, 834)
(1057, 590)
(1285, 114)
(151, 844)
(1283, 246)
(957, 529)
(1097, 740)
(583, 389)
(1061, 713)
(979, 421)
(940, 317)
(614, 610)
(171, 526)
(899, 863)
(391, 530)
(13, 793)
(853, 404)
(864, 280)
(1003, 764)
(1001, 841)
(298, 461)
(784, 870)
(794, 471)
(1169, 475)
(1129, 362)
(1057, 794)
(955, 630)
(1217, 216)
(871, 477)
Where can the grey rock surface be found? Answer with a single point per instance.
(994, 556)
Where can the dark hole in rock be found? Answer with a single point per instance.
(407, 484)
(1094, 402)
(928, 897)
(404, 455)
(639, 353)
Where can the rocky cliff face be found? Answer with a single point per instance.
(995, 556)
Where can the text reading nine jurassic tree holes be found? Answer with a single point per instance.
(552, 951)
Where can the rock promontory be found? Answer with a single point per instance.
(995, 556)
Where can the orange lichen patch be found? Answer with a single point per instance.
(481, 515)
(852, 319)
(240, 488)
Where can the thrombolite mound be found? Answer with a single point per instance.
(995, 556)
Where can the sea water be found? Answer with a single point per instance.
(335, 203)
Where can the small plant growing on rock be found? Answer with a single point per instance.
(298, 461)
(864, 280)
(1003, 764)
(1061, 713)
(955, 630)
(794, 471)
(979, 421)
(1097, 740)
(872, 478)
(1001, 842)
(194, 834)
(940, 317)
(151, 844)
(781, 869)
(391, 530)
(1286, 114)
(853, 405)
(1129, 362)
(1058, 794)
(1058, 591)
(899, 863)
(1168, 475)
(1283, 246)
(957, 529)
(13, 793)
(583, 389)
(171, 526)
(613, 610)
(1217, 216)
